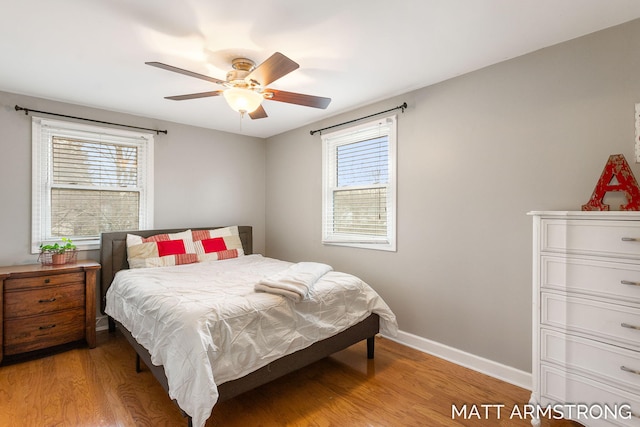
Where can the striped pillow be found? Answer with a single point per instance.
(217, 244)
(161, 250)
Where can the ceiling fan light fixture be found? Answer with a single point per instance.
(242, 100)
(247, 85)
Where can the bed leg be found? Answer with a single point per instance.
(112, 324)
(371, 343)
(138, 369)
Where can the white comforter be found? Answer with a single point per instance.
(207, 325)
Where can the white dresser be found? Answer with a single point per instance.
(586, 315)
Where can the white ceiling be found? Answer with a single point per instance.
(356, 52)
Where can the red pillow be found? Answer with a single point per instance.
(171, 247)
(216, 244)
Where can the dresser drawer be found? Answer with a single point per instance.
(43, 280)
(590, 276)
(597, 319)
(592, 237)
(608, 363)
(34, 333)
(43, 300)
(559, 386)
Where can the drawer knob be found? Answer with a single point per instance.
(47, 280)
(627, 325)
(47, 327)
(630, 239)
(633, 371)
(47, 300)
(629, 282)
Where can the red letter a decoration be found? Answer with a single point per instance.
(616, 169)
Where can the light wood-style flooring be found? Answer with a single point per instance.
(400, 387)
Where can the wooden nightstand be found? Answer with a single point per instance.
(44, 306)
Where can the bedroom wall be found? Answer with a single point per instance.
(202, 177)
(475, 154)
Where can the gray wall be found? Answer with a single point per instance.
(202, 177)
(475, 154)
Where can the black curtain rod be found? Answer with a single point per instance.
(28, 110)
(399, 107)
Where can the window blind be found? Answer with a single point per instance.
(94, 187)
(359, 197)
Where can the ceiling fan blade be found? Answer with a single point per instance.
(299, 98)
(194, 95)
(276, 66)
(258, 113)
(185, 72)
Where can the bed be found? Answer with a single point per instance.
(206, 376)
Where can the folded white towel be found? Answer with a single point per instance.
(295, 282)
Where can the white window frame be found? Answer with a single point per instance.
(330, 142)
(43, 132)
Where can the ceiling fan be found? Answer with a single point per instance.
(246, 85)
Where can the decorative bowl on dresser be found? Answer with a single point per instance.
(46, 306)
(586, 316)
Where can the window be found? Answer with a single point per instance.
(87, 180)
(359, 186)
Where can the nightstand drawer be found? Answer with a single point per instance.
(33, 333)
(44, 300)
(44, 280)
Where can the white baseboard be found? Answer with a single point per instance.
(102, 324)
(488, 367)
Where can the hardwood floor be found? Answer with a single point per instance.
(400, 387)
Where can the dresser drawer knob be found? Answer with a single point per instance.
(626, 325)
(47, 300)
(47, 327)
(47, 280)
(630, 239)
(629, 282)
(633, 371)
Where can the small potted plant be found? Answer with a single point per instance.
(57, 254)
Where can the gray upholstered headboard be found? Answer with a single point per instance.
(113, 251)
